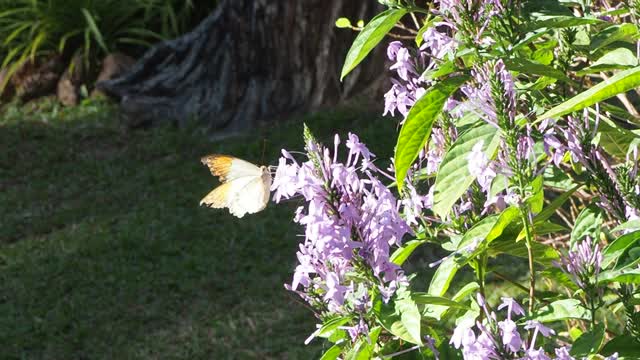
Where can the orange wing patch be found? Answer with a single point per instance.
(218, 197)
(219, 165)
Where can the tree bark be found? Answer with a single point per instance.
(248, 60)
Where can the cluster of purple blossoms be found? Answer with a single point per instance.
(582, 264)
(351, 221)
(491, 94)
(466, 15)
(495, 340)
(578, 141)
(407, 88)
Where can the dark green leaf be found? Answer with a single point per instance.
(424, 298)
(443, 276)
(588, 223)
(529, 67)
(626, 346)
(401, 254)
(623, 32)
(588, 343)
(613, 251)
(548, 211)
(556, 22)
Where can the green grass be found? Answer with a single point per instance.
(105, 254)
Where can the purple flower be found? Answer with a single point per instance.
(350, 219)
(482, 96)
(431, 344)
(392, 49)
(406, 90)
(562, 353)
(479, 166)
(582, 263)
(536, 354)
(361, 328)
(510, 336)
(462, 336)
(438, 44)
(537, 328)
(512, 307)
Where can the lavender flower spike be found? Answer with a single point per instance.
(582, 263)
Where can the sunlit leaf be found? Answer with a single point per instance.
(369, 37)
(416, 129)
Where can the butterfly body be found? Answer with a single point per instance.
(245, 187)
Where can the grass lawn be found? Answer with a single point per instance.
(105, 254)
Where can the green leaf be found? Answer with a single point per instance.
(623, 32)
(437, 311)
(548, 211)
(97, 34)
(628, 225)
(343, 23)
(401, 254)
(453, 177)
(361, 350)
(626, 346)
(424, 298)
(428, 25)
(485, 231)
(443, 69)
(620, 58)
(613, 138)
(588, 223)
(416, 129)
(389, 317)
(410, 318)
(369, 37)
(613, 251)
(619, 83)
(588, 343)
(559, 276)
(542, 254)
(561, 310)
(443, 276)
(556, 22)
(536, 201)
(330, 326)
(528, 67)
(332, 353)
(620, 276)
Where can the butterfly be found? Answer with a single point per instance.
(245, 187)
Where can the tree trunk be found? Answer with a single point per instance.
(248, 60)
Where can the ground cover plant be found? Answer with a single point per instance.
(105, 254)
(518, 140)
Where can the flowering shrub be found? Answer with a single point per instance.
(519, 139)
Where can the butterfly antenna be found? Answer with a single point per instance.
(264, 147)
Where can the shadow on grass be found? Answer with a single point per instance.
(104, 252)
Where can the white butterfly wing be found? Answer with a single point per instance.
(230, 168)
(249, 197)
(245, 188)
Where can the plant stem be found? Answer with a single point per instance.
(529, 241)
